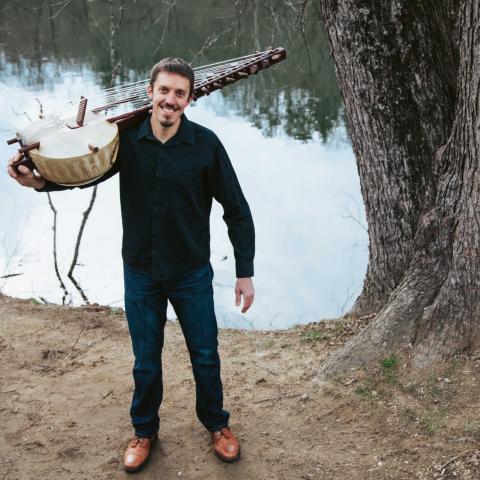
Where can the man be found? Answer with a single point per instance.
(170, 170)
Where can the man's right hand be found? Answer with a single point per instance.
(24, 176)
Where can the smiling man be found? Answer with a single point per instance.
(170, 171)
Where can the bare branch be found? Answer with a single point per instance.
(115, 68)
(64, 5)
(55, 263)
(58, 4)
(86, 213)
(209, 42)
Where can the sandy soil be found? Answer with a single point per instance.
(66, 386)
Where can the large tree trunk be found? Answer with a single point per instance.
(411, 91)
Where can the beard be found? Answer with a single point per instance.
(166, 123)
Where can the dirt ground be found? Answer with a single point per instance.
(66, 386)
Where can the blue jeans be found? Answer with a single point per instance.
(146, 308)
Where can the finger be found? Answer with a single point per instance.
(247, 302)
(25, 171)
(11, 172)
(15, 158)
(237, 298)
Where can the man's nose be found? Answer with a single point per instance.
(170, 97)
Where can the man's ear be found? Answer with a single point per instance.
(150, 92)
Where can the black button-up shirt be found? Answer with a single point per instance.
(166, 193)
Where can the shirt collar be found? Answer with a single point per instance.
(184, 133)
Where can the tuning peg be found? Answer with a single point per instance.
(205, 90)
(217, 85)
(276, 57)
(254, 69)
(265, 63)
(27, 148)
(229, 79)
(242, 74)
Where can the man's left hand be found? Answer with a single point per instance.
(244, 287)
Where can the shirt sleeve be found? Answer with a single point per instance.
(226, 190)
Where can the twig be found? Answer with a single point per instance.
(171, 4)
(110, 392)
(272, 399)
(55, 262)
(11, 275)
(51, 5)
(40, 115)
(65, 4)
(74, 344)
(86, 213)
(45, 301)
(78, 338)
(301, 16)
(456, 458)
(265, 368)
(167, 13)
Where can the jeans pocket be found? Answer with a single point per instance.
(198, 280)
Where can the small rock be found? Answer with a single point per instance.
(304, 396)
(447, 380)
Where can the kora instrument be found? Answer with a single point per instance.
(79, 147)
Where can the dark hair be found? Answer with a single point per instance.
(173, 65)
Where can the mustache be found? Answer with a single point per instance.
(173, 107)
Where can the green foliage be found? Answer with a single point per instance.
(315, 336)
(388, 367)
(433, 420)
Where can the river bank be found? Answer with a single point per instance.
(66, 387)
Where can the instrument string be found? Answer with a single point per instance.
(200, 73)
(137, 90)
(134, 93)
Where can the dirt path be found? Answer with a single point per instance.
(66, 386)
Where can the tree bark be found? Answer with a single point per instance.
(409, 72)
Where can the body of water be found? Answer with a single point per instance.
(290, 149)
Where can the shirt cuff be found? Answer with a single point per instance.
(244, 268)
(50, 187)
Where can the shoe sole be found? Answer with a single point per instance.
(153, 441)
(228, 460)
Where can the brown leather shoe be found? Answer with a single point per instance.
(225, 445)
(137, 452)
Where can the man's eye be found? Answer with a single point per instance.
(180, 94)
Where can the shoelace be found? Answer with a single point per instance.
(223, 433)
(137, 440)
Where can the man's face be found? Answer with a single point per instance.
(170, 97)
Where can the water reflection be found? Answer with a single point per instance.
(284, 133)
(298, 97)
